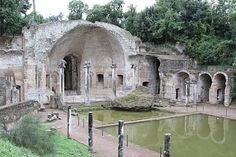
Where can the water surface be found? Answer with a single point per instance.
(192, 136)
(112, 116)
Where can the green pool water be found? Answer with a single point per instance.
(112, 116)
(191, 136)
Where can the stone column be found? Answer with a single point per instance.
(227, 94)
(13, 94)
(133, 67)
(90, 131)
(87, 67)
(195, 93)
(61, 66)
(113, 75)
(120, 138)
(167, 145)
(186, 93)
(68, 121)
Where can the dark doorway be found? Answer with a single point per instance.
(18, 92)
(71, 74)
(120, 80)
(145, 84)
(177, 93)
(158, 80)
(100, 80)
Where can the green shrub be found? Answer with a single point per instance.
(29, 133)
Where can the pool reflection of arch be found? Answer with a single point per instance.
(219, 128)
(203, 128)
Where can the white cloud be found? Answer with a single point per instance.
(54, 7)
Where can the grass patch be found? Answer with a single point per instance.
(63, 148)
(29, 138)
(30, 133)
(69, 148)
(139, 97)
(10, 150)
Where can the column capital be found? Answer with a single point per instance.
(61, 63)
(113, 66)
(87, 64)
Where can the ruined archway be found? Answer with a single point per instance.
(71, 75)
(205, 82)
(182, 88)
(148, 71)
(219, 82)
(88, 44)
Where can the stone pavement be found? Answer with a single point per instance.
(104, 146)
(214, 110)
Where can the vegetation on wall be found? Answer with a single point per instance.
(13, 16)
(207, 28)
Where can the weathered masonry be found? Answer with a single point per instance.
(83, 61)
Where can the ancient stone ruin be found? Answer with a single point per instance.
(80, 61)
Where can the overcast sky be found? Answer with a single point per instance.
(54, 7)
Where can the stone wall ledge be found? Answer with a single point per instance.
(12, 113)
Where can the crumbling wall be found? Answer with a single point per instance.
(5, 91)
(12, 113)
(45, 44)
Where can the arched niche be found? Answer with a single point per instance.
(219, 82)
(182, 88)
(88, 43)
(205, 82)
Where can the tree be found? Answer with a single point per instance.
(167, 24)
(97, 13)
(24, 5)
(195, 16)
(111, 12)
(115, 12)
(55, 18)
(11, 19)
(33, 18)
(143, 22)
(129, 19)
(77, 8)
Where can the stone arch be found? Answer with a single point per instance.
(182, 88)
(222, 73)
(220, 88)
(47, 43)
(93, 44)
(204, 85)
(71, 73)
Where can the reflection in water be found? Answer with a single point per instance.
(203, 128)
(217, 130)
(111, 116)
(195, 136)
